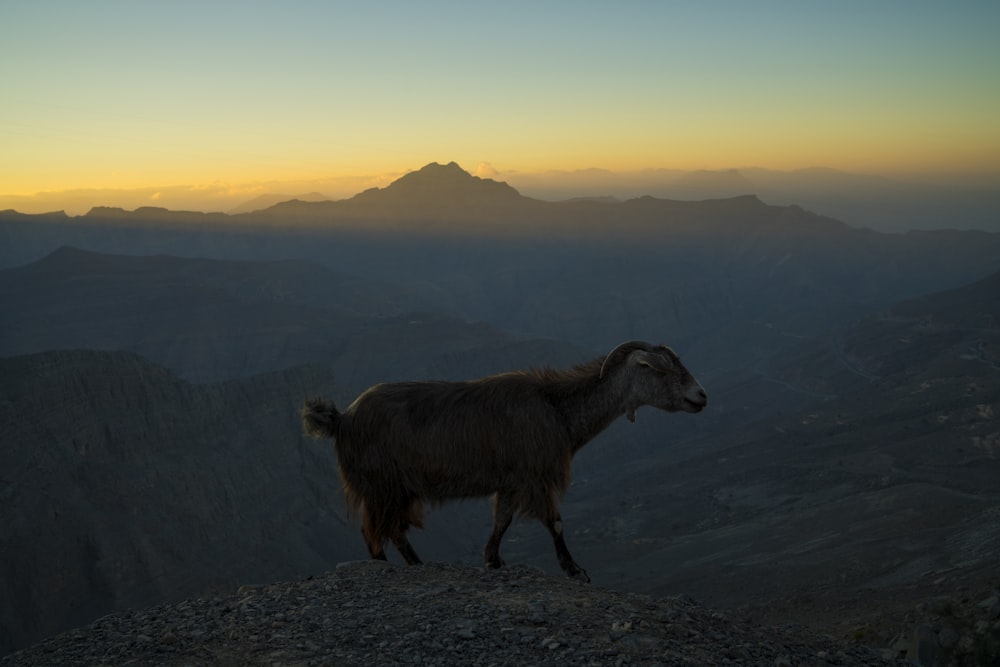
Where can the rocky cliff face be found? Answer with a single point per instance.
(122, 486)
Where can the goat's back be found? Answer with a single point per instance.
(442, 440)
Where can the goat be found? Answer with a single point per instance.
(510, 435)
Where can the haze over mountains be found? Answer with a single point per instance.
(884, 203)
(267, 201)
(155, 360)
(889, 204)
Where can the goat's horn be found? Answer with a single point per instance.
(616, 355)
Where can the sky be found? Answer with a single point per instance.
(243, 98)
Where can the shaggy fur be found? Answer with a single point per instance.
(511, 436)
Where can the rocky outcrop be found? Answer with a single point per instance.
(371, 613)
(951, 630)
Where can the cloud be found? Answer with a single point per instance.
(155, 195)
(486, 170)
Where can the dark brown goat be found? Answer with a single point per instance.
(511, 436)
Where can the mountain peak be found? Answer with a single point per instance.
(105, 212)
(442, 186)
(436, 167)
(436, 174)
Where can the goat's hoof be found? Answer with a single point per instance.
(576, 572)
(495, 564)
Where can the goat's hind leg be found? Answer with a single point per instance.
(406, 549)
(503, 514)
(412, 515)
(566, 562)
(373, 540)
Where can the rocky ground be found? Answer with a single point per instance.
(371, 613)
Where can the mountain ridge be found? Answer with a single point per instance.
(265, 201)
(211, 320)
(433, 193)
(445, 199)
(886, 203)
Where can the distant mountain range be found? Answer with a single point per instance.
(874, 202)
(731, 280)
(861, 200)
(877, 202)
(211, 320)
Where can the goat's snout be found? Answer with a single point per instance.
(695, 399)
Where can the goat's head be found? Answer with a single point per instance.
(654, 376)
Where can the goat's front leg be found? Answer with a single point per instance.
(406, 550)
(566, 562)
(503, 514)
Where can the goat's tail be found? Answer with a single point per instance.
(320, 418)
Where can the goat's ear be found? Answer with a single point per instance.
(621, 353)
(661, 363)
